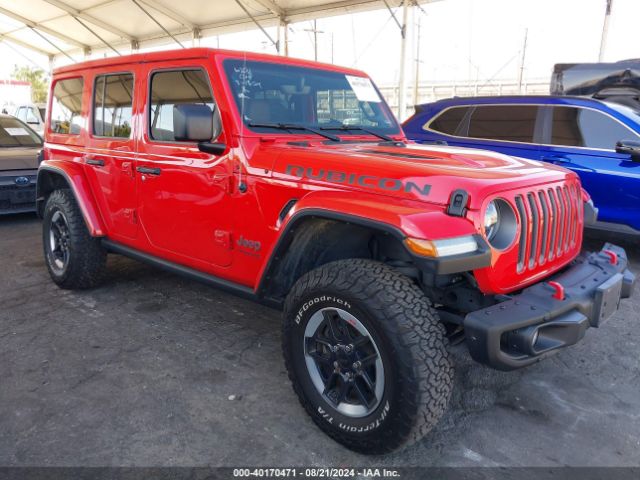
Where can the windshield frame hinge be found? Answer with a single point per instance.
(458, 202)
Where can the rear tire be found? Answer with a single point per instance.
(74, 258)
(387, 334)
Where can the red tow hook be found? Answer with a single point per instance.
(559, 290)
(613, 256)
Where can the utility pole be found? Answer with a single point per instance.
(402, 81)
(522, 58)
(315, 39)
(418, 62)
(332, 48)
(315, 32)
(605, 30)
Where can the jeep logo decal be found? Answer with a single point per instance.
(366, 181)
(250, 244)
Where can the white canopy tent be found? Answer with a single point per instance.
(70, 30)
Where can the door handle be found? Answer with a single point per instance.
(559, 161)
(566, 163)
(219, 177)
(149, 170)
(554, 159)
(224, 180)
(93, 161)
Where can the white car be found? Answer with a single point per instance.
(32, 115)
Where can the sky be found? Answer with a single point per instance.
(460, 40)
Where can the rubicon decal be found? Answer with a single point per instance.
(366, 181)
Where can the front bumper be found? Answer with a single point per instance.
(17, 191)
(538, 321)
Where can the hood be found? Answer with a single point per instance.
(417, 172)
(19, 158)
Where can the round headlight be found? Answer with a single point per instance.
(491, 220)
(500, 225)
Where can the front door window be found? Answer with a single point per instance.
(172, 88)
(584, 127)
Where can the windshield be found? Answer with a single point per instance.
(14, 133)
(275, 93)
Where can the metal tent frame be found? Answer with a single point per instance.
(73, 29)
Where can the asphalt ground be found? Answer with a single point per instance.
(152, 369)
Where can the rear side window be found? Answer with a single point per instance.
(448, 122)
(509, 123)
(583, 127)
(112, 105)
(66, 106)
(175, 88)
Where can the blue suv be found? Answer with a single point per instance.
(598, 140)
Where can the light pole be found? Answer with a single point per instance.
(402, 82)
(605, 30)
(418, 62)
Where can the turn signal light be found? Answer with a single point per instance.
(425, 248)
(442, 248)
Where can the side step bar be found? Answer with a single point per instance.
(231, 287)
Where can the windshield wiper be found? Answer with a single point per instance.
(293, 126)
(346, 128)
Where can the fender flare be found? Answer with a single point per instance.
(297, 218)
(401, 228)
(74, 178)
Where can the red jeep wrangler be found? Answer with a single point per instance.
(291, 183)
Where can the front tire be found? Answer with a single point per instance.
(74, 258)
(366, 355)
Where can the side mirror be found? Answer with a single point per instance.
(192, 123)
(212, 148)
(629, 147)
